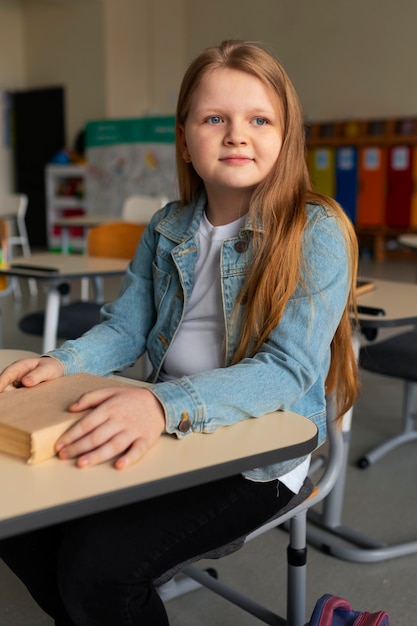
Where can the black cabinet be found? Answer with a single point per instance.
(38, 132)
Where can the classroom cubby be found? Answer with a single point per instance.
(370, 167)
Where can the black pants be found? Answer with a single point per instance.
(99, 570)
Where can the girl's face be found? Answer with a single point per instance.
(233, 133)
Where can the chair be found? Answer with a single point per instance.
(395, 357)
(115, 240)
(13, 208)
(140, 208)
(6, 286)
(295, 518)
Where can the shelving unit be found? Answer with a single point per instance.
(65, 197)
(384, 202)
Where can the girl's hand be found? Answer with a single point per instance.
(124, 422)
(30, 372)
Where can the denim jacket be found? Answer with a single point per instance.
(288, 373)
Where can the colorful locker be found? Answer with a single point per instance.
(372, 167)
(399, 186)
(413, 215)
(347, 179)
(321, 166)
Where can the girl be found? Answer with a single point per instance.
(241, 294)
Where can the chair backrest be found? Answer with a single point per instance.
(12, 204)
(114, 239)
(4, 233)
(140, 208)
(13, 208)
(4, 252)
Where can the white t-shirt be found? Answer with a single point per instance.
(198, 343)
(197, 346)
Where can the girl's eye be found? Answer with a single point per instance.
(260, 121)
(214, 119)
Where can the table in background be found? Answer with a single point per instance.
(33, 496)
(410, 241)
(54, 269)
(396, 304)
(85, 222)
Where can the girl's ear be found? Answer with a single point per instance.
(183, 144)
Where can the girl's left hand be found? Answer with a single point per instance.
(125, 422)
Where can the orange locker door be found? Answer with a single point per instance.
(372, 181)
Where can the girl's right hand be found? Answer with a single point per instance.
(30, 372)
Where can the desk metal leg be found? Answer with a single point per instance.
(326, 530)
(50, 328)
(65, 240)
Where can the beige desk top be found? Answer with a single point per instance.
(63, 266)
(85, 221)
(410, 241)
(36, 495)
(398, 301)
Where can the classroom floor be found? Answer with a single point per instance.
(380, 501)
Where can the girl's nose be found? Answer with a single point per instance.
(235, 134)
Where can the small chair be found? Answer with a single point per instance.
(13, 208)
(116, 240)
(295, 518)
(6, 286)
(395, 357)
(140, 208)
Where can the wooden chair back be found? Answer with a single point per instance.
(4, 250)
(4, 231)
(114, 239)
(13, 208)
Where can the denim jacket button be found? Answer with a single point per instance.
(184, 426)
(241, 246)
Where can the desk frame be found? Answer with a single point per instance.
(193, 460)
(85, 222)
(75, 266)
(54, 491)
(127, 486)
(326, 529)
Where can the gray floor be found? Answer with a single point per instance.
(380, 501)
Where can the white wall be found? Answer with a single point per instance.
(167, 48)
(65, 46)
(145, 50)
(12, 75)
(116, 58)
(346, 59)
(127, 72)
(124, 58)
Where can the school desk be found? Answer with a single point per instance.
(85, 222)
(54, 270)
(33, 496)
(394, 304)
(408, 241)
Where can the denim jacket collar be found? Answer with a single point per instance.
(183, 223)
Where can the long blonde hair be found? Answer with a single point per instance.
(279, 204)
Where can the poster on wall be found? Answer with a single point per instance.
(127, 157)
